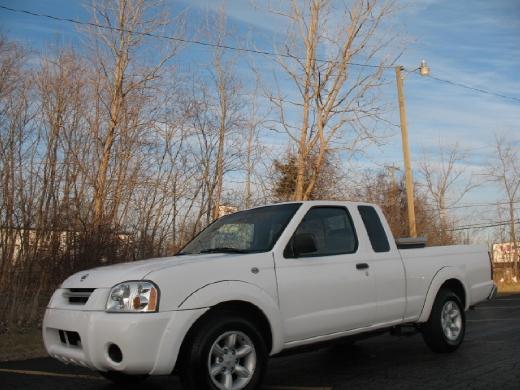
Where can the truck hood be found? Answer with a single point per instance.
(108, 276)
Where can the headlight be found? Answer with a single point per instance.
(133, 297)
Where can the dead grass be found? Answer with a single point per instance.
(507, 288)
(18, 345)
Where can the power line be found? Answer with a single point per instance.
(465, 86)
(178, 39)
(243, 49)
(484, 226)
(468, 205)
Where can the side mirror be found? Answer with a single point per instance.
(303, 243)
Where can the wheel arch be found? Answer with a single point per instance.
(243, 308)
(447, 277)
(244, 298)
(457, 287)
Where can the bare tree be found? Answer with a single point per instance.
(15, 114)
(388, 191)
(124, 80)
(255, 151)
(38, 161)
(505, 170)
(446, 180)
(228, 109)
(335, 99)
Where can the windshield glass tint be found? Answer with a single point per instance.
(247, 231)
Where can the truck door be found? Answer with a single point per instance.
(387, 268)
(324, 284)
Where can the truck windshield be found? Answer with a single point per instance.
(249, 231)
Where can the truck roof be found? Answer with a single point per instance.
(322, 203)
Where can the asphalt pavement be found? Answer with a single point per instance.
(488, 359)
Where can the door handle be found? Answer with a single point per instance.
(362, 266)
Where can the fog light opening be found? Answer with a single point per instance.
(115, 354)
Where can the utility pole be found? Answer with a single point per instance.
(406, 155)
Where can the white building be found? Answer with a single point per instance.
(505, 252)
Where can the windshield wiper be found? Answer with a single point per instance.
(224, 249)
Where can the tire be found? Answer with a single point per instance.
(214, 345)
(122, 379)
(445, 329)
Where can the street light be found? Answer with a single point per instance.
(424, 70)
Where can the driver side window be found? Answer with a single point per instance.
(330, 228)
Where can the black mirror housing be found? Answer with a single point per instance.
(303, 243)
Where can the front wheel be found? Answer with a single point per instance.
(227, 352)
(445, 329)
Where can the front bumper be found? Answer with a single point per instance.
(149, 342)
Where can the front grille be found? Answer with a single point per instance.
(78, 296)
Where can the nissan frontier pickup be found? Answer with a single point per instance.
(259, 282)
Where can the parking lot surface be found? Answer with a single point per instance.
(488, 359)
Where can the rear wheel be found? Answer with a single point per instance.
(226, 352)
(445, 329)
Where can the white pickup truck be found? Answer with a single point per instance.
(258, 282)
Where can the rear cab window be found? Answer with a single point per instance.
(374, 227)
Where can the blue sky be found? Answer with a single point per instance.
(473, 42)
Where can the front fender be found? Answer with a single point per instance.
(235, 290)
(438, 280)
